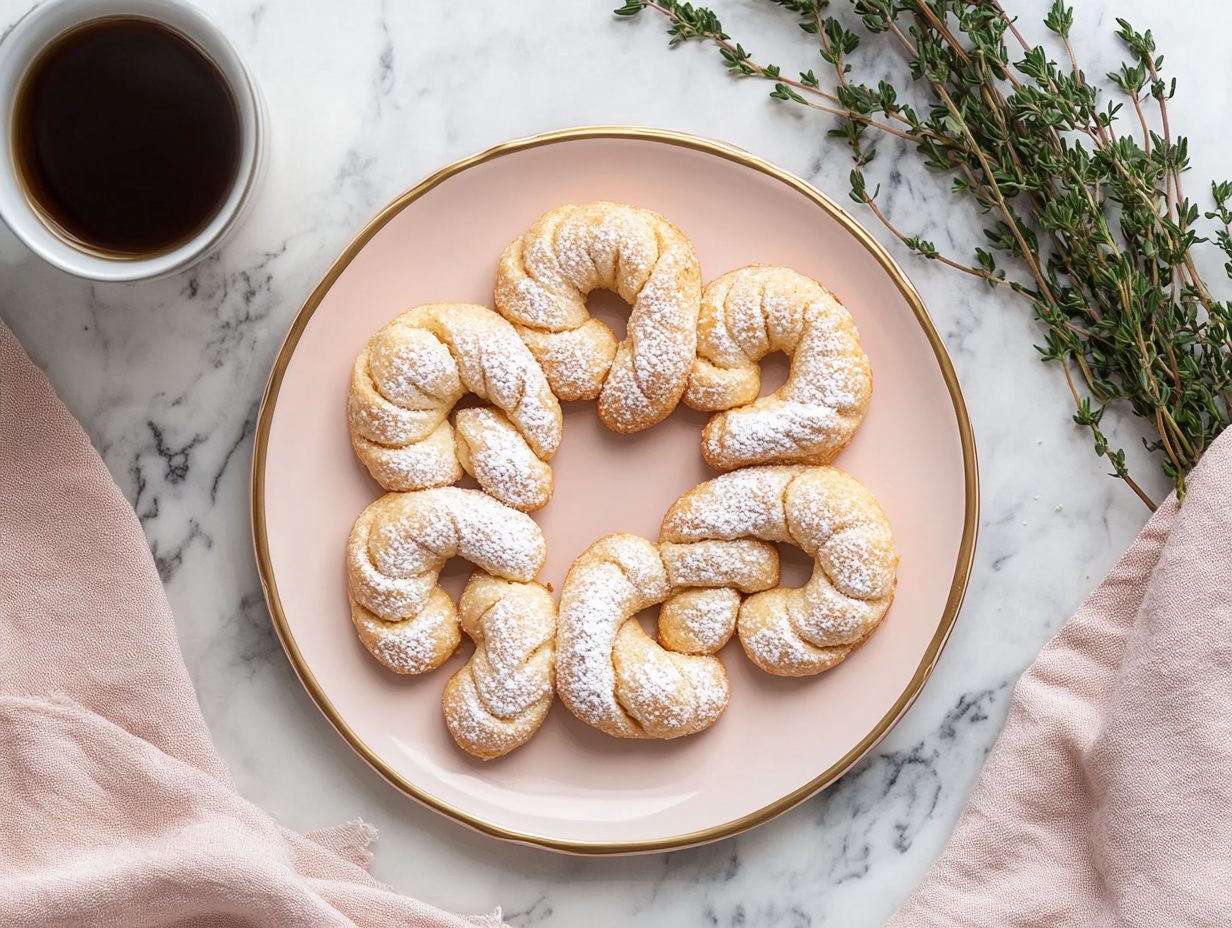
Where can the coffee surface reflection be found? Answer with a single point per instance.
(126, 137)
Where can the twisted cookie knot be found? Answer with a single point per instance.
(749, 313)
(609, 672)
(394, 556)
(834, 519)
(707, 578)
(541, 286)
(503, 693)
(406, 381)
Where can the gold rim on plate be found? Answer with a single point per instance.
(962, 570)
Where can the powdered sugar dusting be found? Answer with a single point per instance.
(495, 365)
(514, 644)
(404, 653)
(400, 543)
(478, 731)
(603, 245)
(376, 418)
(774, 429)
(411, 368)
(745, 564)
(744, 503)
(430, 462)
(492, 451)
(541, 283)
(747, 314)
(828, 514)
(710, 619)
(414, 370)
(779, 649)
(593, 606)
(670, 695)
(698, 621)
(609, 673)
(850, 559)
(412, 645)
(391, 596)
(500, 698)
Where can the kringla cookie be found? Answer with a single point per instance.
(394, 556)
(749, 313)
(610, 673)
(541, 286)
(503, 693)
(406, 381)
(834, 519)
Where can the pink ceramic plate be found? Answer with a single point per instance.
(573, 788)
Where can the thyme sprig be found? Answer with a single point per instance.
(1092, 225)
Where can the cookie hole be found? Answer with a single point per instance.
(469, 401)
(611, 310)
(454, 574)
(795, 567)
(649, 620)
(774, 370)
(466, 481)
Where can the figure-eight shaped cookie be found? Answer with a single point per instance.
(611, 674)
(541, 286)
(833, 518)
(394, 556)
(406, 381)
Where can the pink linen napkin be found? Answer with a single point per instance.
(1107, 799)
(115, 809)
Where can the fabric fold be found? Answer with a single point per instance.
(117, 810)
(1107, 799)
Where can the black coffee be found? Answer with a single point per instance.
(126, 137)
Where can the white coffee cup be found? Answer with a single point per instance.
(19, 49)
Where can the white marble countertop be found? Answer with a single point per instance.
(365, 98)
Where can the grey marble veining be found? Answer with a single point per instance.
(365, 98)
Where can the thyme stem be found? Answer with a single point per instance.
(1093, 225)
